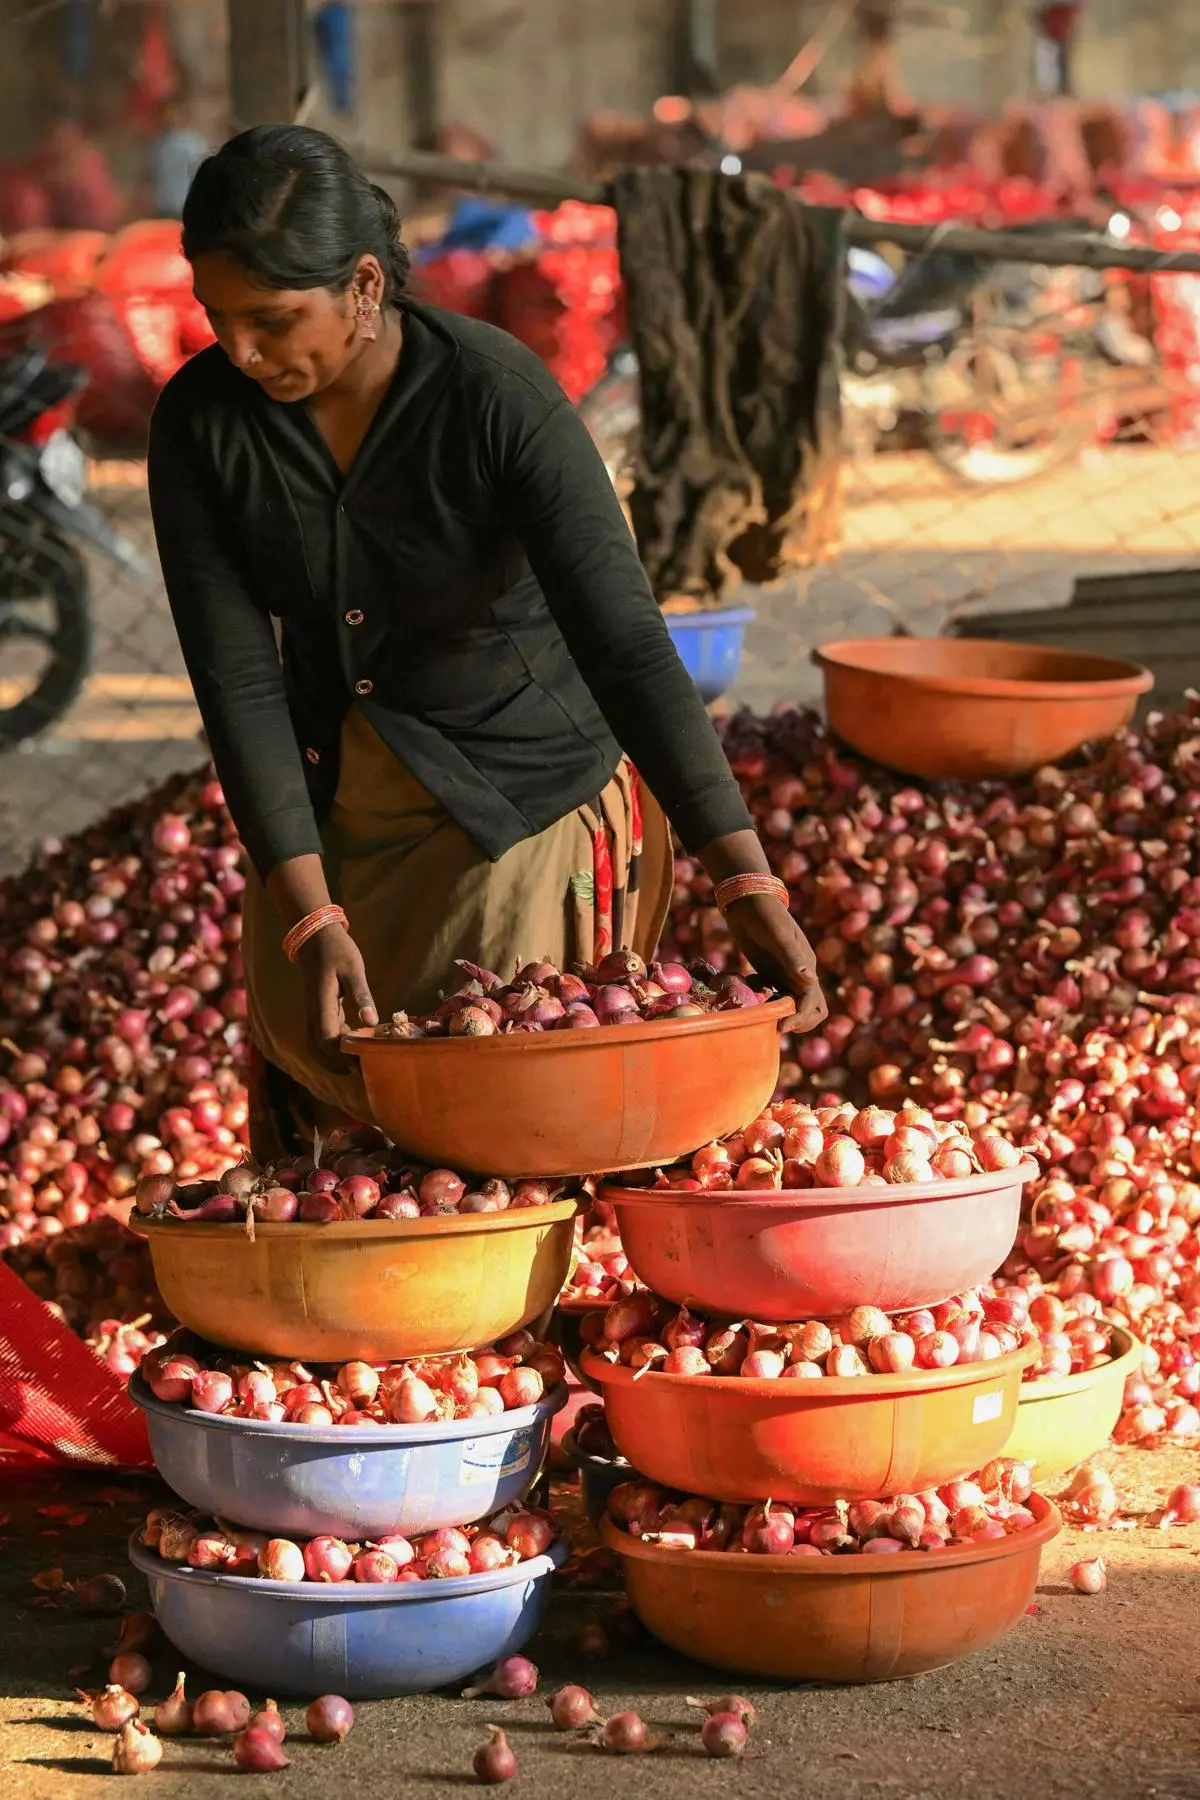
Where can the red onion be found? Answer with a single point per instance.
(220, 1713)
(513, 1678)
(173, 1716)
(494, 1761)
(130, 1670)
(1183, 1506)
(329, 1718)
(625, 1733)
(723, 1734)
(1088, 1577)
(573, 1707)
(113, 1707)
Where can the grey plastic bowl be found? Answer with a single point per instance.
(366, 1642)
(304, 1480)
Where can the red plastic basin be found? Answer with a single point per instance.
(834, 1618)
(859, 1437)
(815, 1254)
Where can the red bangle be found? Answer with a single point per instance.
(309, 926)
(740, 887)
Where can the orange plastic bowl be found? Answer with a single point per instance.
(967, 708)
(844, 1437)
(374, 1289)
(815, 1254)
(571, 1102)
(834, 1618)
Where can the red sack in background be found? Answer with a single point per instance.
(89, 333)
(463, 281)
(568, 304)
(57, 1399)
(67, 259)
(146, 258)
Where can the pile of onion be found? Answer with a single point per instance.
(620, 990)
(976, 1510)
(513, 1373)
(794, 1146)
(642, 1333)
(361, 1178)
(517, 1534)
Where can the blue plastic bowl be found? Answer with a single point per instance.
(366, 1642)
(710, 646)
(303, 1480)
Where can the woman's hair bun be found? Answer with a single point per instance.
(294, 208)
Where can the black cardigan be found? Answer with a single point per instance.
(471, 584)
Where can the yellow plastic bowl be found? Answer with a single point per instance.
(378, 1291)
(1061, 1423)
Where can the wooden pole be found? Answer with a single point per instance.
(268, 60)
(1065, 249)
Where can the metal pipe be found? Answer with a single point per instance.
(1061, 250)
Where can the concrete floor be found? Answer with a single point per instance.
(1087, 1697)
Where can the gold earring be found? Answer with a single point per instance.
(365, 311)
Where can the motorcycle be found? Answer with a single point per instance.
(46, 635)
(1001, 371)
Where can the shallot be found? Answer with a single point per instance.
(513, 1678)
(573, 1707)
(136, 1750)
(173, 1716)
(329, 1718)
(1088, 1577)
(258, 1752)
(494, 1761)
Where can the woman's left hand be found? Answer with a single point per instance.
(771, 941)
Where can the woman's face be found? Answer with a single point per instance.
(292, 341)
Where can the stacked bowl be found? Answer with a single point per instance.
(366, 1294)
(262, 1295)
(755, 1265)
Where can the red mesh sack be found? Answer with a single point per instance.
(58, 1401)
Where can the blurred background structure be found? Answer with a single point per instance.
(1018, 436)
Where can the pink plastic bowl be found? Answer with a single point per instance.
(814, 1255)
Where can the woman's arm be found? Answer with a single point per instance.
(229, 648)
(581, 550)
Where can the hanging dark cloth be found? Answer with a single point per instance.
(735, 307)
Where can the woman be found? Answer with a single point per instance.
(468, 639)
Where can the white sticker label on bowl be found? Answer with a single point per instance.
(987, 1407)
(492, 1458)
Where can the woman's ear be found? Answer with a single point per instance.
(369, 279)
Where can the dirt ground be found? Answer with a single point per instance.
(1088, 1696)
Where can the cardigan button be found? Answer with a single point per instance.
(314, 756)
(363, 687)
(354, 616)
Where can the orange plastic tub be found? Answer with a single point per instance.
(574, 1102)
(834, 1618)
(373, 1290)
(968, 708)
(1061, 1423)
(858, 1437)
(815, 1254)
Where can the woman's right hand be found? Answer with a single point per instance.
(339, 996)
